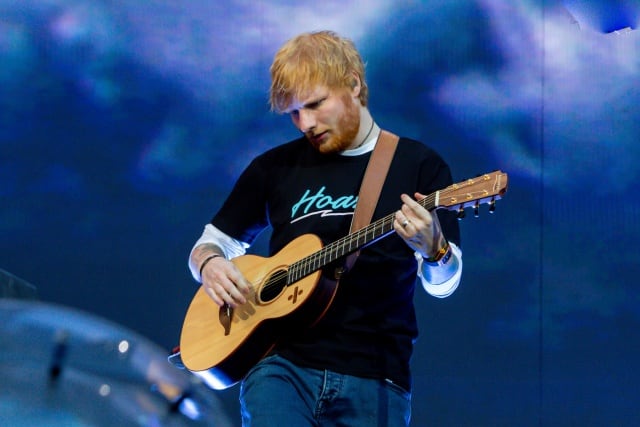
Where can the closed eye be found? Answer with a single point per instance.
(315, 104)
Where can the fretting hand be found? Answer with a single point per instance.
(419, 227)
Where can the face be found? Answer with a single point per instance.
(330, 119)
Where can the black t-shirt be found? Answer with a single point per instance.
(370, 326)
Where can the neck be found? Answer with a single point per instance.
(366, 127)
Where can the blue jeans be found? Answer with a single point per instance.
(278, 393)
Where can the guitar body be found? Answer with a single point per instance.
(226, 343)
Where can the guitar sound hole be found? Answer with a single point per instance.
(274, 286)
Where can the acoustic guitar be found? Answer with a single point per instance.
(221, 344)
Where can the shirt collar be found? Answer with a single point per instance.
(366, 147)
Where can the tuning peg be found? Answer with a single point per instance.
(461, 212)
(476, 209)
(492, 205)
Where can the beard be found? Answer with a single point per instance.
(345, 131)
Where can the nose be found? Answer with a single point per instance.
(306, 120)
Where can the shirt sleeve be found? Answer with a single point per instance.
(230, 247)
(441, 281)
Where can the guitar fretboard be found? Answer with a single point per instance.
(350, 243)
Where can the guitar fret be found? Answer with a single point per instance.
(372, 232)
(339, 248)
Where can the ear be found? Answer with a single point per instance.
(356, 85)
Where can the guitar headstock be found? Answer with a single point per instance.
(486, 188)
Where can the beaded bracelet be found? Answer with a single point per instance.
(209, 258)
(441, 257)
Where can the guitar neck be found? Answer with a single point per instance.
(350, 243)
(486, 188)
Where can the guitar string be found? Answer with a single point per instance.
(355, 237)
(302, 266)
(318, 259)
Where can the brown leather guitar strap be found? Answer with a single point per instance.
(371, 186)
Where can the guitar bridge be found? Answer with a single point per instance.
(224, 315)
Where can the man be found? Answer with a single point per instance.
(352, 367)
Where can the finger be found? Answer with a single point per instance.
(229, 294)
(401, 221)
(417, 220)
(409, 201)
(240, 282)
(221, 285)
(233, 295)
(231, 279)
(213, 295)
(410, 208)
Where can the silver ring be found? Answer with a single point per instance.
(405, 223)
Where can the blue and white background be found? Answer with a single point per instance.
(124, 124)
